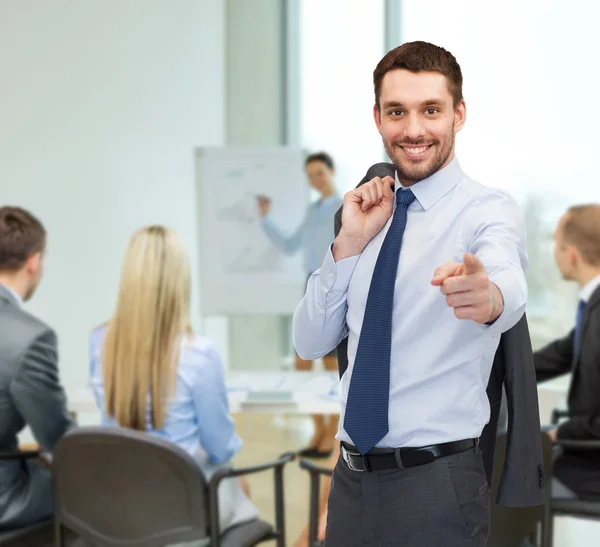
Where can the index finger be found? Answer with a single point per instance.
(459, 283)
(445, 271)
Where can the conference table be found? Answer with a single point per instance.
(293, 392)
(305, 393)
(274, 392)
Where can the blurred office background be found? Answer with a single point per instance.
(103, 102)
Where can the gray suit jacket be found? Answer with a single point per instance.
(30, 394)
(522, 481)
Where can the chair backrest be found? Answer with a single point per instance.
(511, 525)
(121, 488)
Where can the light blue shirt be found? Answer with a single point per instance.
(314, 235)
(440, 365)
(197, 414)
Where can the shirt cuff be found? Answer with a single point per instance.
(336, 276)
(514, 295)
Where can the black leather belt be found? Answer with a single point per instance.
(402, 457)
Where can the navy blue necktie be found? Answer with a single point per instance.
(366, 415)
(578, 326)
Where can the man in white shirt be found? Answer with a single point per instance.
(425, 275)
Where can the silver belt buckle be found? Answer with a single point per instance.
(346, 456)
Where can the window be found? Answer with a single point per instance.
(341, 42)
(529, 85)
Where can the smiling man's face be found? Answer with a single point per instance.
(418, 122)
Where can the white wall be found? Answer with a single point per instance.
(336, 83)
(101, 104)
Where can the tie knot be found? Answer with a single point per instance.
(404, 197)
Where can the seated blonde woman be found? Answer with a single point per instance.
(151, 373)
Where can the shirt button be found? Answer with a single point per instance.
(330, 275)
(321, 311)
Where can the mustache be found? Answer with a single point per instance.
(411, 142)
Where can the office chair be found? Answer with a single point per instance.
(567, 506)
(116, 487)
(315, 473)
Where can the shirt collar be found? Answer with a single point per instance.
(589, 288)
(428, 191)
(13, 293)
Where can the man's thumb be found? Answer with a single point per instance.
(472, 264)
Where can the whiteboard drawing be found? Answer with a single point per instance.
(241, 270)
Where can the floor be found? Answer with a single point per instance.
(265, 438)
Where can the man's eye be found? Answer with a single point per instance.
(397, 112)
(432, 111)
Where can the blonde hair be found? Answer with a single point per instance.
(141, 349)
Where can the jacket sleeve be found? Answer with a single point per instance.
(586, 425)
(37, 393)
(554, 359)
(522, 483)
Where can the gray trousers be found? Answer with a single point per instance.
(445, 503)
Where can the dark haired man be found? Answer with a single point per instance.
(30, 391)
(423, 278)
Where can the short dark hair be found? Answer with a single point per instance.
(21, 236)
(323, 157)
(582, 230)
(420, 57)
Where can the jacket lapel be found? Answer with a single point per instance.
(593, 302)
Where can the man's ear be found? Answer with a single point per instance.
(377, 117)
(573, 256)
(33, 263)
(460, 115)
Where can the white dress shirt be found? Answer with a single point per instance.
(440, 365)
(588, 289)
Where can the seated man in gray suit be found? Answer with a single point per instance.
(30, 392)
